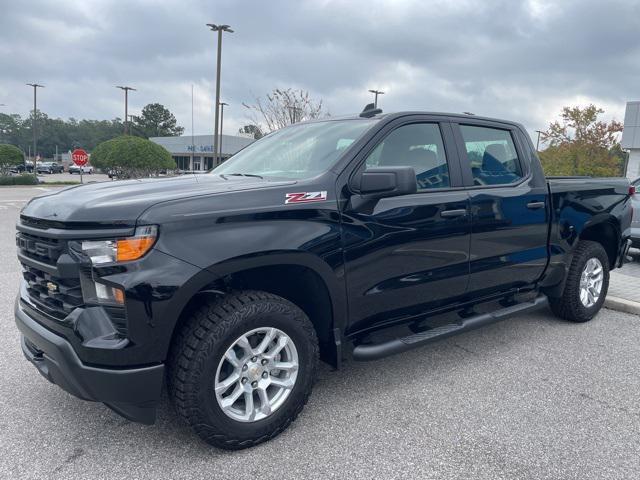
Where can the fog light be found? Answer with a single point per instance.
(107, 294)
(98, 293)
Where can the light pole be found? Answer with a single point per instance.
(219, 29)
(375, 98)
(222, 105)
(126, 106)
(538, 141)
(35, 86)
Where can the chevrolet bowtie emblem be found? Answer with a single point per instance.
(52, 287)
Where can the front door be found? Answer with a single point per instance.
(509, 208)
(406, 254)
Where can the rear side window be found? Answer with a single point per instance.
(492, 155)
(417, 145)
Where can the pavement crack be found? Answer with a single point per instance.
(606, 404)
(72, 458)
(466, 349)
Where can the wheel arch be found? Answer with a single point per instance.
(300, 277)
(604, 230)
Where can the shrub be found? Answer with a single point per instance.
(132, 157)
(23, 179)
(10, 156)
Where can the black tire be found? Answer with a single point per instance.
(568, 306)
(203, 340)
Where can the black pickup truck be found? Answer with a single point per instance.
(344, 238)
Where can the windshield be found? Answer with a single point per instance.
(298, 152)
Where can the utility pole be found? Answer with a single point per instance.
(222, 105)
(126, 106)
(538, 141)
(375, 98)
(35, 86)
(219, 29)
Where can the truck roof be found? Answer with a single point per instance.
(466, 116)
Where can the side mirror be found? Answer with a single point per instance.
(383, 182)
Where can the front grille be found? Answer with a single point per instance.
(55, 296)
(43, 249)
(56, 272)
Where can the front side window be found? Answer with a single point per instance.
(297, 152)
(418, 145)
(492, 155)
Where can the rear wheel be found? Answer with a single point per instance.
(586, 285)
(242, 368)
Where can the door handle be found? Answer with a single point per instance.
(453, 213)
(535, 205)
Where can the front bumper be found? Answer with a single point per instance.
(133, 393)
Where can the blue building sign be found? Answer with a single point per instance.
(200, 148)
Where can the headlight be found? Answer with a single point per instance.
(123, 249)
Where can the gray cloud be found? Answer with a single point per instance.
(519, 60)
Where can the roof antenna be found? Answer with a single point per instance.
(370, 110)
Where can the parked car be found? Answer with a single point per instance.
(117, 174)
(22, 168)
(335, 238)
(73, 168)
(49, 167)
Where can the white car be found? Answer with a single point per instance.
(85, 169)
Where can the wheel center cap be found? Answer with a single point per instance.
(254, 371)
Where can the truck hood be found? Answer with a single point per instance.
(121, 202)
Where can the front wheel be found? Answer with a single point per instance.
(586, 285)
(242, 368)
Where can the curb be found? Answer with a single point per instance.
(622, 305)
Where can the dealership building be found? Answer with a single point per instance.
(195, 153)
(631, 139)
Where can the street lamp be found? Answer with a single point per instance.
(35, 86)
(219, 29)
(126, 106)
(222, 105)
(538, 141)
(375, 99)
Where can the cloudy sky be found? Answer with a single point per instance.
(521, 60)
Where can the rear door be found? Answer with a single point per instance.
(406, 254)
(509, 206)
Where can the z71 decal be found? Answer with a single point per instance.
(305, 197)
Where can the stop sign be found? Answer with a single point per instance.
(79, 157)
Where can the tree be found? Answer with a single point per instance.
(132, 157)
(55, 132)
(581, 125)
(156, 121)
(253, 130)
(283, 107)
(580, 144)
(10, 156)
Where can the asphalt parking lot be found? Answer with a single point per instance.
(532, 397)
